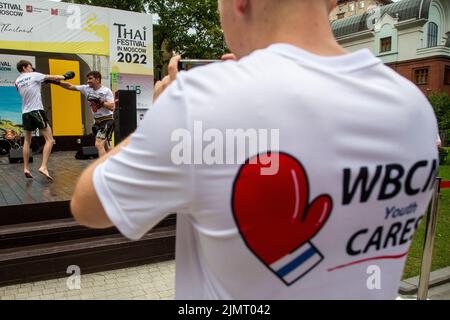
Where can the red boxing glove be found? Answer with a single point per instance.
(273, 212)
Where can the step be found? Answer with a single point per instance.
(101, 253)
(27, 213)
(26, 234)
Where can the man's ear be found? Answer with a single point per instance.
(241, 6)
(333, 4)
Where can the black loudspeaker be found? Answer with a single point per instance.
(86, 153)
(125, 116)
(16, 156)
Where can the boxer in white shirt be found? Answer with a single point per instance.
(28, 85)
(338, 192)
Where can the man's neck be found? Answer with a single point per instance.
(311, 33)
(97, 87)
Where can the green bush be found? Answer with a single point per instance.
(443, 155)
(441, 105)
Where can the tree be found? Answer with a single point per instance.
(192, 27)
(129, 5)
(188, 27)
(441, 105)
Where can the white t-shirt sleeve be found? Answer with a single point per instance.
(82, 89)
(109, 96)
(38, 77)
(141, 185)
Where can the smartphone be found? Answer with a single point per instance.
(187, 65)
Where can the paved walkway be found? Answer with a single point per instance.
(150, 282)
(154, 282)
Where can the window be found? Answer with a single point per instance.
(351, 6)
(421, 76)
(432, 35)
(362, 4)
(341, 15)
(447, 75)
(386, 44)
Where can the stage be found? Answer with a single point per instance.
(15, 189)
(39, 238)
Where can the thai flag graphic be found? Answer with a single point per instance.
(295, 265)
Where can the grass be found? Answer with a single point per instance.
(441, 251)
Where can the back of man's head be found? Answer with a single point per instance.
(255, 24)
(22, 64)
(296, 8)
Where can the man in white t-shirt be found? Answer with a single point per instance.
(28, 85)
(102, 103)
(266, 209)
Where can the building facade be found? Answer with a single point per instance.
(347, 8)
(410, 36)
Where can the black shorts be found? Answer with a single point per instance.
(35, 120)
(103, 130)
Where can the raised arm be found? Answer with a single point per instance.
(68, 86)
(54, 78)
(67, 76)
(57, 79)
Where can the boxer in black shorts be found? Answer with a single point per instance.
(103, 130)
(102, 104)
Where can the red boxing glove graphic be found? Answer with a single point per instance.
(275, 217)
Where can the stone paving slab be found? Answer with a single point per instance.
(441, 292)
(150, 282)
(437, 278)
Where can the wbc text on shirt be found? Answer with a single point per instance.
(385, 182)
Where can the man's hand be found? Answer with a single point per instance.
(229, 56)
(160, 86)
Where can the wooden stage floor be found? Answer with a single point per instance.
(16, 190)
(39, 238)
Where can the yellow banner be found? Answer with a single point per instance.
(69, 48)
(46, 26)
(66, 105)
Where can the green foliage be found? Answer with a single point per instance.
(441, 258)
(441, 105)
(188, 27)
(443, 155)
(129, 5)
